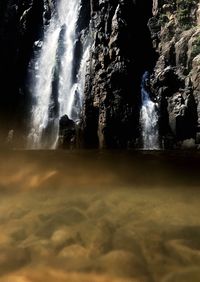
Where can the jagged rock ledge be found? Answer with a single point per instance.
(175, 31)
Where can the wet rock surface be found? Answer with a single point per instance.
(67, 133)
(121, 51)
(175, 34)
(112, 94)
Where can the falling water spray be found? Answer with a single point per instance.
(148, 118)
(53, 92)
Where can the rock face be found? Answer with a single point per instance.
(126, 41)
(67, 133)
(175, 81)
(120, 54)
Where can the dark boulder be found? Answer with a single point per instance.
(67, 133)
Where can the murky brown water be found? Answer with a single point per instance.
(99, 216)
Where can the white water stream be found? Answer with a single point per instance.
(148, 119)
(57, 50)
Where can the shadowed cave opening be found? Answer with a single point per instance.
(147, 56)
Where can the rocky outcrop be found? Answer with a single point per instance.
(112, 94)
(67, 133)
(175, 81)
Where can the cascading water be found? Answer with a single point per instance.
(75, 101)
(53, 91)
(148, 118)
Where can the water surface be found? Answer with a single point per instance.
(93, 216)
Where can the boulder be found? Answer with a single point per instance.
(67, 133)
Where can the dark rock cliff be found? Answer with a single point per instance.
(175, 30)
(121, 52)
(122, 49)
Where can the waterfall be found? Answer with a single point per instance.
(76, 94)
(148, 118)
(53, 92)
